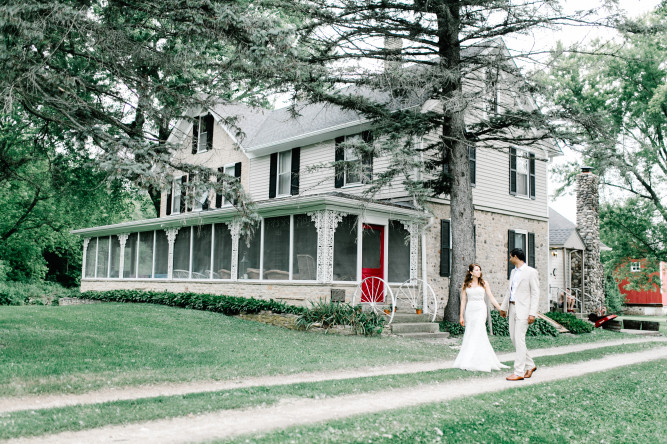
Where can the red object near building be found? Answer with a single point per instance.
(651, 278)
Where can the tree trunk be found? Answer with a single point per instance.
(456, 152)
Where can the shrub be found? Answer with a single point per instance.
(331, 314)
(571, 322)
(228, 305)
(40, 293)
(501, 327)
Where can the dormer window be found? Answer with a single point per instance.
(202, 134)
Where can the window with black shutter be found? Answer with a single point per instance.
(530, 254)
(296, 165)
(445, 248)
(339, 157)
(233, 170)
(513, 171)
(273, 174)
(202, 134)
(472, 157)
(531, 173)
(510, 246)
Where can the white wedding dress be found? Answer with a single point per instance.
(476, 352)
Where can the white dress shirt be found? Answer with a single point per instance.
(515, 279)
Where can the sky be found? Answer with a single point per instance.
(566, 204)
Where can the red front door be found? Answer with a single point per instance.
(372, 263)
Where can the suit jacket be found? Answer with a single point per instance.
(526, 295)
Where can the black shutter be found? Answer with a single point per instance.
(474, 243)
(218, 194)
(340, 156)
(445, 249)
(531, 169)
(367, 158)
(513, 171)
(472, 157)
(195, 135)
(273, 174)
(510, 247)
(169, 197)
(531, 249)
(184, 190)
(209, 131)
(296, 165)
(237, 175)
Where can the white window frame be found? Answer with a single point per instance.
(229, 170)
(202, 147)
(522, 158)
(280, 173)
(635, 266)
(176, 195)
(351, 155)
(524, 247)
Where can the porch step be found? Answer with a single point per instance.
(400, 318)
(413, 327)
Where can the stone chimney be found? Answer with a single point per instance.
(393, 47)
(588, 226)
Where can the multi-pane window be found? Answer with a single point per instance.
(521, 175)
(284, 176)
(202, 131)
(635, 266)
(228, 171)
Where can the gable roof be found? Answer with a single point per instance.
(261, 131)
(563, 233)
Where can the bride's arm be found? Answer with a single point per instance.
(495, 303)
(464, 299)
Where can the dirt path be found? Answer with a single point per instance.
(12, 404)
(231, 423)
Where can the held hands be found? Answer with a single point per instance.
(503, 313)
(462, 322)
(531, 319)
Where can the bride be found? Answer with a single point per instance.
(476, 352)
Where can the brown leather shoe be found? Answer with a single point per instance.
(514, 377)
(529, 373)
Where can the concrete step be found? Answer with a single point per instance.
(438, 335)
(400, 317)
(414, 327)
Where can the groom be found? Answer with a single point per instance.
(520, 303)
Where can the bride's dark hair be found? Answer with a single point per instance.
(468, 280)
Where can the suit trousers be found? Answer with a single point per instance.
(518, 328)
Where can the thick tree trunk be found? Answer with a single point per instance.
(456, 152)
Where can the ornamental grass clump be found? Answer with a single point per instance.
(332, 314)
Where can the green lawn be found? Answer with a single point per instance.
(85, 347)
(623, 405)
(80, 348)
(54, 420)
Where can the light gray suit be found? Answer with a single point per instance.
(526, 299)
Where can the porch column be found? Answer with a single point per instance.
(413, 229)
(171, 238)
(235, 231)
(122, 239)
(86, 241)
(326, 222)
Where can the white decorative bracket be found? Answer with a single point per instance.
(86, 241)
(235, 231)
(171, 238)
(326, 222)
(122, 239)
(413, 229)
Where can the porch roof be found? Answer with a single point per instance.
(267, 208)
